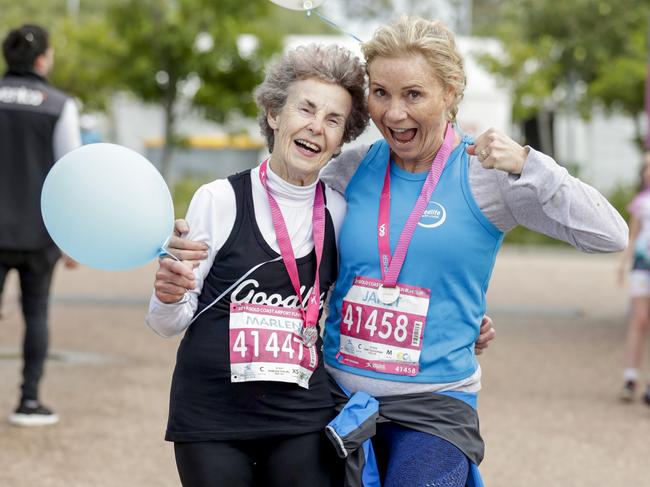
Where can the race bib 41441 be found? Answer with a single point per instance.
(265, 344)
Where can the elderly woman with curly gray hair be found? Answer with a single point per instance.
(250, 396)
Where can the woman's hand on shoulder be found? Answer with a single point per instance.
(495, 150)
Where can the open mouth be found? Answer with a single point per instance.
(403, 136)
(308, 146)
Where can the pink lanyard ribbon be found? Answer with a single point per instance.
(310, 315)
(391, 266)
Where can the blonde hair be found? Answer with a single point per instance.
(429, 38)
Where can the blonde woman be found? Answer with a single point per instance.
(427, 211)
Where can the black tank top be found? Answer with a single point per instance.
(204, 404)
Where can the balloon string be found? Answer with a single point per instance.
(333, 24)
(233, 286)
(163, 252)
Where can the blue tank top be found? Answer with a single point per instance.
(452, 253)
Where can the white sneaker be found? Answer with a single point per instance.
(32, 413)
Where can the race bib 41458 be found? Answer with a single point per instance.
(383, 337)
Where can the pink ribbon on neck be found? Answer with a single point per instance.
(391, 266)
(310, 315)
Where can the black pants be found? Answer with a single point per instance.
(35, 269)
(307, 460)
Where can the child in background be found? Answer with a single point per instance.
(637, 258)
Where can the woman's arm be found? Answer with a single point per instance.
(339, 171)
(547, 199)
(532, 190)
(211, 217)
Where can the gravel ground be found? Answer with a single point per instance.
(549, 412)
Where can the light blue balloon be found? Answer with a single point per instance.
(107, 207)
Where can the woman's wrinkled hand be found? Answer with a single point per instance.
(173, 280)
(188, 251)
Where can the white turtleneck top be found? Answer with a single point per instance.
(211, 217)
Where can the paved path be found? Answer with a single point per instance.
(549, 412)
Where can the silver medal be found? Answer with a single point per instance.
(309, 335)
(388, 295)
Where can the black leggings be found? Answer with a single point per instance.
(306, 460)
(35, 269)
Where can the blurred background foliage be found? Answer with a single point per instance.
(162, 51)
(182, 194)
(576, 55)
(573, 55)
(580, 53)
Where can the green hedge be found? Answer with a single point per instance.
(621, 197)
(182, 194)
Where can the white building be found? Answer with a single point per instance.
(603, 149)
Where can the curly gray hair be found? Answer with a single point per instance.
(332, 64)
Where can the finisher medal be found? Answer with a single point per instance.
(309, 332)
(309, 335)
(388, 295)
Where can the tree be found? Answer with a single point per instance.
(85, 56)
(295, 22)
(167, 52)
(190, 45)
(576, 55)
(82, 40)
(30, 11)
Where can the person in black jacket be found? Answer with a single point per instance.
(38, 125)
